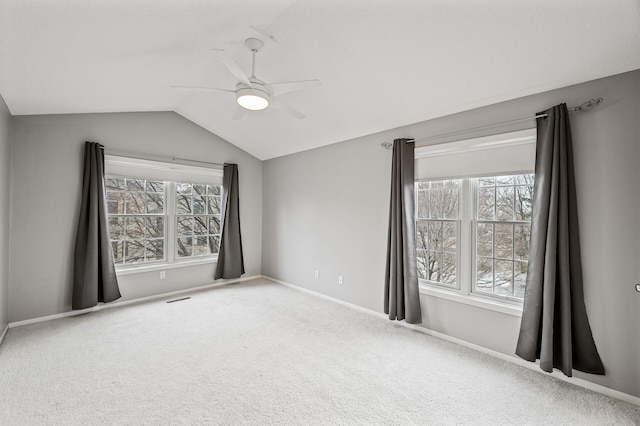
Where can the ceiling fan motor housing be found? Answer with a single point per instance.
(254, 98)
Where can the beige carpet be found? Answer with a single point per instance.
(260, 353)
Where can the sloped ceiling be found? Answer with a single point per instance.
(382, 64)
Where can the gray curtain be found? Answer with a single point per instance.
(401, 295)
(230, 258)
(554, 326)
(94, 275)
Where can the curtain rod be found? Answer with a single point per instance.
(156, 157)
(585, 106)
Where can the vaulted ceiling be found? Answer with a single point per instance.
(382, 63)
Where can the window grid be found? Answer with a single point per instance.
(502, 234)
(197, 219)
(137, 220)
(154, 221)
(437, 231)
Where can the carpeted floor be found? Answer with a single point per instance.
(260, 353)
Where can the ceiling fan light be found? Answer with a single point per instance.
(253, 100)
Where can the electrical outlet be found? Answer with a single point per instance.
(340, 280)
(163, 275)
(317, 274)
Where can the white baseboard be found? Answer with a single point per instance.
(4, 333)
(127, 302)
(512, 359)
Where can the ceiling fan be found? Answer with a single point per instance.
(252, 93)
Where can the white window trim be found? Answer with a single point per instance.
(170, 174)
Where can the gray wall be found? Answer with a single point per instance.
(46, 178)
(5, 185)
(327, 209)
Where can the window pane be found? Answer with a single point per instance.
(435, 264)
(486, 203)
(155, 186)
(183, 204)
(213, 205)
(423, 185)
(422, 231)
(184, 188)
(135, 184)
(484, 274)
(524, 202)
(449, 237)
(201, 246)
(504, 277)
(213, 189)
(135, 227)
(450, 203)
(504, 180)
(185, 248)
(487, 181)
(134, 251)
(449, 269)
(435, 236)
(198, 205)
(214, 225)
(503, 241)
(185, 225)
(155, 203)
(423, 204)
(154, 250)
(436, 203)
(199, 189)
(155, 227)
(484, 239)
(116, 228)
(134, 202)
(504, 203)
(200, 225)
(214, 243)
(114, 184)
(115, 203)
(525, 179)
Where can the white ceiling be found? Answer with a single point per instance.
(382, 64)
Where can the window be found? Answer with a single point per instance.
(161, 213)
(500, 210)
(473, 217)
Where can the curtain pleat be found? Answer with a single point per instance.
(401, 297)
(555, 327)
(230, 257)
(94, 275)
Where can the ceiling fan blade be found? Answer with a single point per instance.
(233, 67)
(201, 88)
(278, 104)
(238, 114)
(289, 86)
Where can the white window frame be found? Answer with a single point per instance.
(171, 174)
(467, 204)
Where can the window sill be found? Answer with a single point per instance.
(480, 302)
(128, 270)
